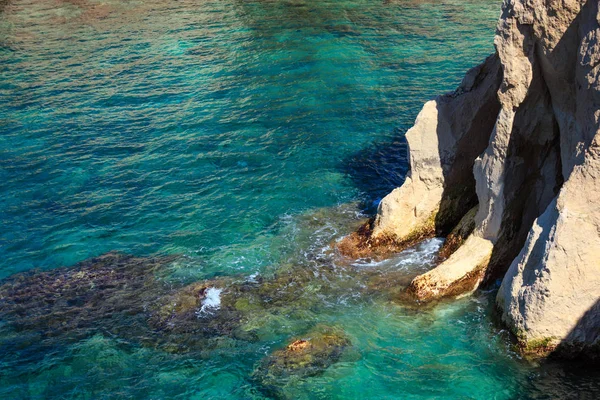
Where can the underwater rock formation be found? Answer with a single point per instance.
(308, 356)
(95, 295)
(134, 299)
(520, 138)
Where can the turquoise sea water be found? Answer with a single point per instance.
(246, 136)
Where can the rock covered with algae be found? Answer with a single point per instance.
(130, 297)
(122, 295)
(243, 308)
(303, 357)
(100, 293)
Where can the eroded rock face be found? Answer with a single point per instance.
(535, 179)
(449, 133)
(550, 294)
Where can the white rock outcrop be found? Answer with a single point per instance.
(550, 293)
(449, 133)
(535, 178)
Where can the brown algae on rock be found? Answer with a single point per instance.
(363, 243)
(100, 293)
(307, 356)
(130, 298)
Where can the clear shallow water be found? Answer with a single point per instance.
(246, 135)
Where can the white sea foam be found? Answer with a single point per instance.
(421, 255)
(252, 278)
(211, 302)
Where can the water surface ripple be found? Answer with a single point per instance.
(246, 136)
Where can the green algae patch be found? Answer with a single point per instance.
(247, 304)
(541, 347)
(533, 348)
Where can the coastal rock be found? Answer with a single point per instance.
(459, 234)
(535, 179)
(307, 356)
(456, 275)
(449, 133)
(550, 295)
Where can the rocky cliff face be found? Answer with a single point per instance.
(549, 294)
(520, 138)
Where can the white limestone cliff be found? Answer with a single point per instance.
(520, 138)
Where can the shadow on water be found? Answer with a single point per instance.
(378, 169)
(576, 378)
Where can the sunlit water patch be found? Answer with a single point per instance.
(240, 139)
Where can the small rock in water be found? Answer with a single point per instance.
(299, 345)
(309, 356)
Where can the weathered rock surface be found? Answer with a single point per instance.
(449, 133)
(553, 284)
(536, 178)
(456, 275)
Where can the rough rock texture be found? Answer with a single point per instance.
(308, 356)
(554, 281)
(537, 182)
(449, 133)
(456, 275)
(551, 292)
(459, 234)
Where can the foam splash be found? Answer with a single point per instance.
(253, 278)
(211, 302)
(419, 256)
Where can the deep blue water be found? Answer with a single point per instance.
(246, 136)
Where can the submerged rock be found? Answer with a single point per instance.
(123, 296)
(103, 293)
(129, 298)
(303, 357)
